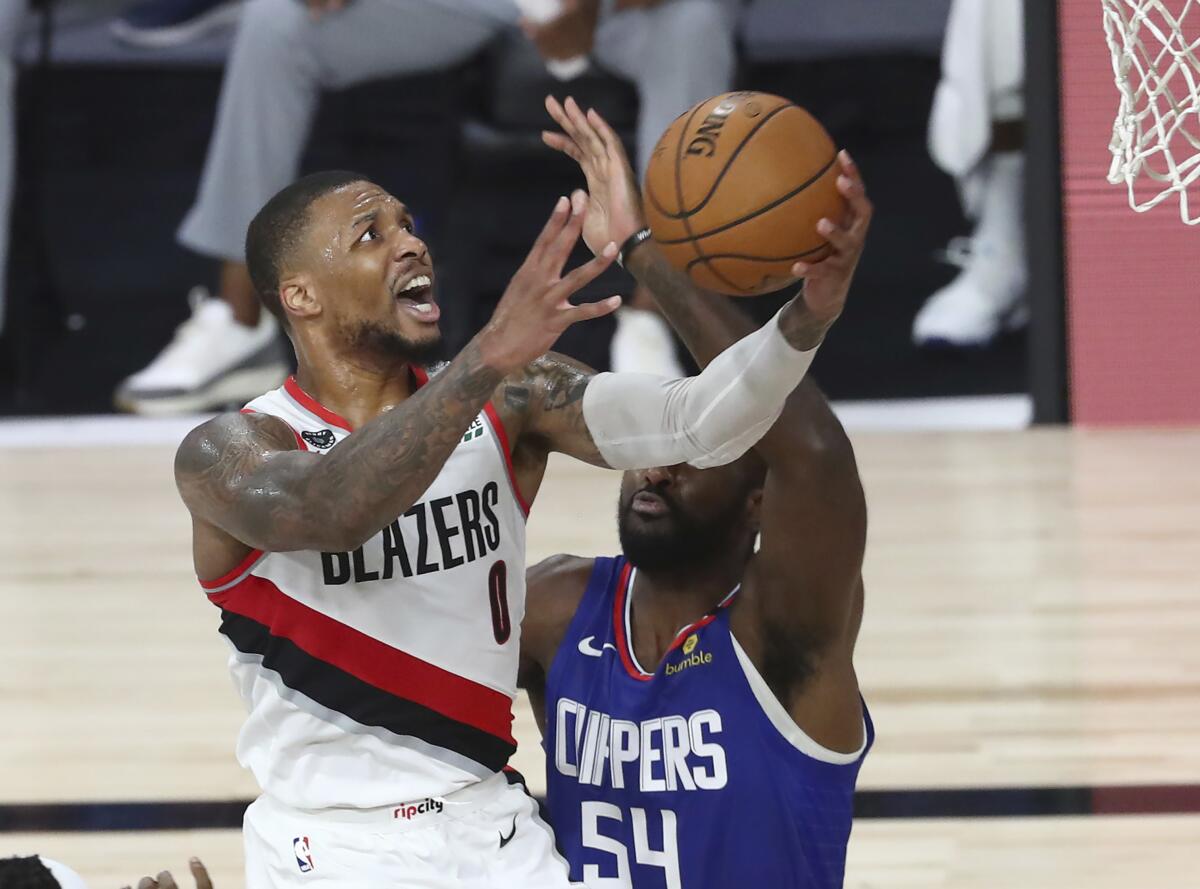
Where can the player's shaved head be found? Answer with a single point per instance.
(279, 228)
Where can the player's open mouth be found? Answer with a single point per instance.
(416, 298)
(647, 504)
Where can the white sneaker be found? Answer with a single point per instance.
(988, 296)
(212, 362)
(643, 344)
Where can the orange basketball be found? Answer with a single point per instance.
(735, 188)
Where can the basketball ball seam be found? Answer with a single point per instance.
(720, 176)
(752, 258)
(679, 195)
(716, 273)
(758, 212)
(654, 199)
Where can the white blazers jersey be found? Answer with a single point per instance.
(385, 674)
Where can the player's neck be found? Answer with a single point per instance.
(665, 601)
(356, 389)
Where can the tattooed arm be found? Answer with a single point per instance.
(548, 395)
(243, 473)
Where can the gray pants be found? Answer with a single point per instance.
(676, 54)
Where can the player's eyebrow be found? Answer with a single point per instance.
(370, 216)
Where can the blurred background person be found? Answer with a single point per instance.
(287, 52)
(975, 135)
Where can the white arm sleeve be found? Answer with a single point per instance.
(641, 420)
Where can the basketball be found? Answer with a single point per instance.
(735, 188)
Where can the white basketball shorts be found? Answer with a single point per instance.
(488, 836)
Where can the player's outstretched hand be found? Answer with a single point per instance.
(827, 283)
(165, 881)
(536, 308)
(615, 212)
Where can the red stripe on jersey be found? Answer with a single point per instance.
(692, 628)
(311, 404)
(299, 440)
(502, 437)
(386, 668)
(232, 575)
(619, 625)
(704, 621)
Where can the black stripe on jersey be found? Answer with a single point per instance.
(343, 693)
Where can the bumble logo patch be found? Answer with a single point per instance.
(692, 656)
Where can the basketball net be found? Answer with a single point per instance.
(1156, 136)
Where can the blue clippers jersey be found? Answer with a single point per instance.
(694, 777)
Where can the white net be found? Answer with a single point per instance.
(1156, 136)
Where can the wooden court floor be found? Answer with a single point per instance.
(1032, 621)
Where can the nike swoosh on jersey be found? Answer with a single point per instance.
(586, 647)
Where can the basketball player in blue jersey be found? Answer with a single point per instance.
(361, 529)
(697, 697)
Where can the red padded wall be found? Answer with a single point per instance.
(1133, 279)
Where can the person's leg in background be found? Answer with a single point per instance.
(677, 53)
(281, 62)
(975, 134)
(11, 14)
(157, 24)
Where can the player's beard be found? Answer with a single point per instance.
(384, 342)
(676, 541)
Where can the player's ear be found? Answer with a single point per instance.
(298, 297)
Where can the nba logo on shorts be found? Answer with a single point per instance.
(303, 854)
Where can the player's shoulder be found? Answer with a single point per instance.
(554, 589)
(559, 574)
(216, 438)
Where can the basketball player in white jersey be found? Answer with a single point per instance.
(362, 530)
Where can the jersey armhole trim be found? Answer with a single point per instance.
(299, 440)
(623, 627)
(501, 436)
(783, 722)
(235, 576)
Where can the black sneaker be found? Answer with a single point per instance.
(157, 24)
